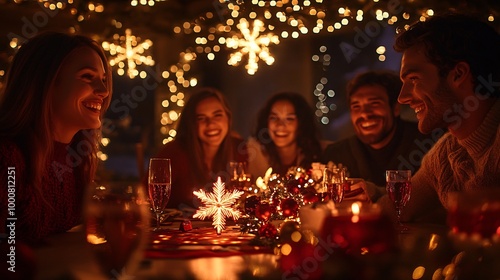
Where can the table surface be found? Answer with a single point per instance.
(67, 256)
(425, 250)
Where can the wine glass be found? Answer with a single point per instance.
(399, 188)
(239, 178)
(116, 222)
(159, 181)
(333, 182)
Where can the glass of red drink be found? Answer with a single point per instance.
(398, 185)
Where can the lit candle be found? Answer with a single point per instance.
(355, 211)
(359, 229)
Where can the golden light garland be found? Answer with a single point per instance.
(321, 107)
(151, 3)
(218, 205)
(129, 50)
(288, 19)
(176, 83)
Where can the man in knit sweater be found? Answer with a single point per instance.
(451, 78)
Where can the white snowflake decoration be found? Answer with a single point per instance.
(131, 53)
(218, 204)
(253, 44)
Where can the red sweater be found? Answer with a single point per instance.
(36, 218)
(184, 181)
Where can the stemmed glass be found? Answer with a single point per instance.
(159, 181)
(399, 188)
(116, 222)
(239, 178)
(333, 181)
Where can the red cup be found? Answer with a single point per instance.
(475, 212)
(368, 231)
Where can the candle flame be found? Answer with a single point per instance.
(355, 208)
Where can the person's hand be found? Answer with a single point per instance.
(362, 196)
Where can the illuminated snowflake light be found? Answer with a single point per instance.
(218, 204)
(131, 53)
(252, 44)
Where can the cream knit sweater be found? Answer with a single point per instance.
(456, 165)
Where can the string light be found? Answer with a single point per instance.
(177, 81)
(288, 19)
(150, 3)
(322, 108)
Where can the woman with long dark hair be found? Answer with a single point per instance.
(57, 90)
(286, 135)
(203, 147)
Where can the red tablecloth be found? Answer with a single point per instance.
(201, 242)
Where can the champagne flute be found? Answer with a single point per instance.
(159, 181)
(234, 174)
(399, 188)
(333, 181)
(116, 222)
(238, 176)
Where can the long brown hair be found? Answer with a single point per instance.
(26, 104)
(187, 135)
(307, 134)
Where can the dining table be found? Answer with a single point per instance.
(425, 251)
(171, 253)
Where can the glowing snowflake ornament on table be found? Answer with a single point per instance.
(218, 204)
(131, 53)
(252, 44)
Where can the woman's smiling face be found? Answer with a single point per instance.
(212, 122)
(79, 91)
(283, 124)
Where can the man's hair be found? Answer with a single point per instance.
(388, 80)
(452, 38)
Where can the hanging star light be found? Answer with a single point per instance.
(252, 44)
(131, 53)
(218, 204)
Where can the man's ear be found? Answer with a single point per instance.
(459, 74)
(396, 110)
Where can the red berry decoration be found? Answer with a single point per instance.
(268, 231)
(264, 210)
(293, 186)
(251, 203)
(289, 207)
(310, 195)
(302, 180)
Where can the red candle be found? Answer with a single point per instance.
(359, 230)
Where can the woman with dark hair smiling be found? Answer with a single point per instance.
(286, 135)
(57, 90)
(203, 146)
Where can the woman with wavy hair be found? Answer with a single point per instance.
(57, 90)
(203, 147)
(285, 136)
